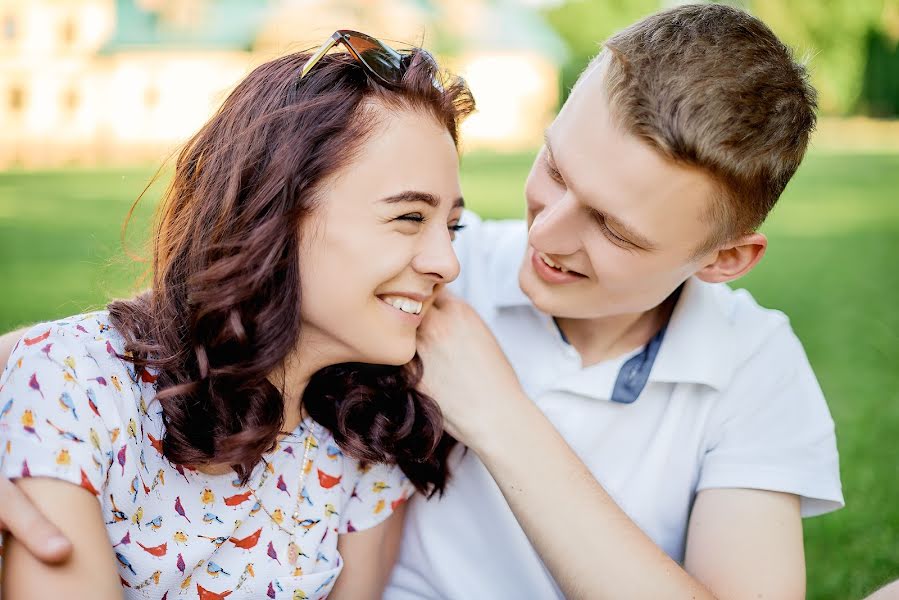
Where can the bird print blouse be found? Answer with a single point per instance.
(72, 410)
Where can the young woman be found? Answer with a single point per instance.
(251, 423)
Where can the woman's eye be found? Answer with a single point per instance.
(415, 217)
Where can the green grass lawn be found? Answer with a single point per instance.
(831, 266)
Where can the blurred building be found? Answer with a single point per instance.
(88, 82)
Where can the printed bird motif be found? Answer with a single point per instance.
(247, 572)
(294, 553)
(154, 579)
(27, 421)
(69, 361)
(115, 383)
(46, 350)
(281, 485)
(271, 590)
(63, 433)
(95, 439)
(238, 499)
(215, 570)
(180, 509)
(379, 506)
(6, 408)
(92, 401)
(327, 481)
(138, 516)
(101, 380)
(155, 523)
(218, 541)
(122, 457)
(324, 583)
(299, 594)
(157, 444)
(86, 484)
(330, 510)
(308, 524)
(379, 486)
(180, 564)
(256, 508)
(114, 434)
(157, 551)
(248, 542)
(277, 516)
(126, 539)
(304, 496)
(180, 537)
(125, 562)
(134, 489)
(67, 404)
(158, 479)
(132, 429)
(398, 502)
(207, 497)
(333, 452)
(117, 515)
(211, 518)
(38, 339)
(205, 594)
(272, 553)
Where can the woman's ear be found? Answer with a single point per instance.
(735, 260)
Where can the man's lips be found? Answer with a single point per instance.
(551, 271)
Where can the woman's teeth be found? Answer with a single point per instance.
(406, 305)
(549, 262)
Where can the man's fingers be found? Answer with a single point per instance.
(31, 528)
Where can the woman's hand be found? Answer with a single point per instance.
(465, 371)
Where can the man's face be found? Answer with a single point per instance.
(605, 206)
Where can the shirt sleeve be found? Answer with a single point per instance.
(50, 423)
(377, 491)
(773, 431)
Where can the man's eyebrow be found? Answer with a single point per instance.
(618, 225)
(413, 196)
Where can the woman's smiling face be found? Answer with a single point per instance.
(378, 245)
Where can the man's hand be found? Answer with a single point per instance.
(465, 370)
(19, 516)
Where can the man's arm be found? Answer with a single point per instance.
(90, 572)
(17, 513)
(368, 558)
(8, 341)
(742, 543)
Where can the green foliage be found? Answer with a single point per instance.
(850, 45)
(831, 267)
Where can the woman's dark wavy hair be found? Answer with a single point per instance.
(223, 311)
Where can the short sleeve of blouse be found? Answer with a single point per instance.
(375, 491)
(51, 404)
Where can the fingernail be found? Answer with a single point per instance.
(57, 544)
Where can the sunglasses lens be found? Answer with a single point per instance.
(382, 60)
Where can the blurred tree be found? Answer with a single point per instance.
(850, 45)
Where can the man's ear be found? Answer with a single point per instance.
(735, 260)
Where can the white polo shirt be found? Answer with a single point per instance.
(724, 397)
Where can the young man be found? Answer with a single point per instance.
(692, 434)
(635, 429)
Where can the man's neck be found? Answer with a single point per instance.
(597, 340)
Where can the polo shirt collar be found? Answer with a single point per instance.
(694, 346)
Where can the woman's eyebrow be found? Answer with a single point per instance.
(414, 196)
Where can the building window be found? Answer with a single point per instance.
(70, 100)
(69, 32)
(16, 99)
(151, 97)
(9, 28)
